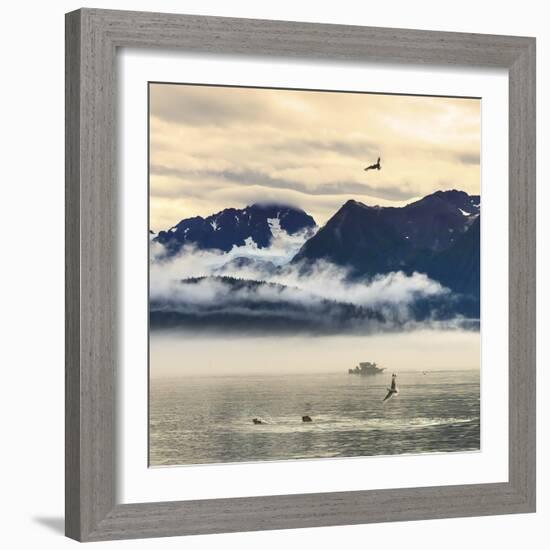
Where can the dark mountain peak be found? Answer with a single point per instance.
(449, 200)
(437, 202)
(275, 210)
(351, 203)
(450, 194)
(272, 206)
(361, 206)
(351, 209)
(370, 240)
(233, 227)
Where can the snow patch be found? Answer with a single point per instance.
(274, 226)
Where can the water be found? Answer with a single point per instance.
(209, 419)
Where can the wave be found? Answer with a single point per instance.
(327, 423)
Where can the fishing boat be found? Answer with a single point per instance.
(366, 369)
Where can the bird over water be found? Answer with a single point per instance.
(392, 390)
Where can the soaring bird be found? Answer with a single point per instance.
(393, 390)
(374, 166)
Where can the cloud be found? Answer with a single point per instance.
(260, 290)
(469, 158)
(245, 177)
(320, 281)
(210, 144)
(202, 105)
(361, 149)
(192, 262)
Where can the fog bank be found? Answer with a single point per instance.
(183, 354)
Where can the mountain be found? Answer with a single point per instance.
(248, 305)
(438, 235)
(234, 227)
(262, 268)
(431, 235)
(458, 267)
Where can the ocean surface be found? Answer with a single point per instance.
(198, 420)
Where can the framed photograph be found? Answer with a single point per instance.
(300, 275)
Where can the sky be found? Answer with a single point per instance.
(217, 147)
(207, 355)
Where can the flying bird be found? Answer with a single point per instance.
(374, 166)
(393, 390)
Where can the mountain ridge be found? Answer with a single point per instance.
(370, 240)
(247, 306)
(437, 235)
(234, 227)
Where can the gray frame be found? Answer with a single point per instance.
(92, 39)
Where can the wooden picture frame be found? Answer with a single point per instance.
(92, 39)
